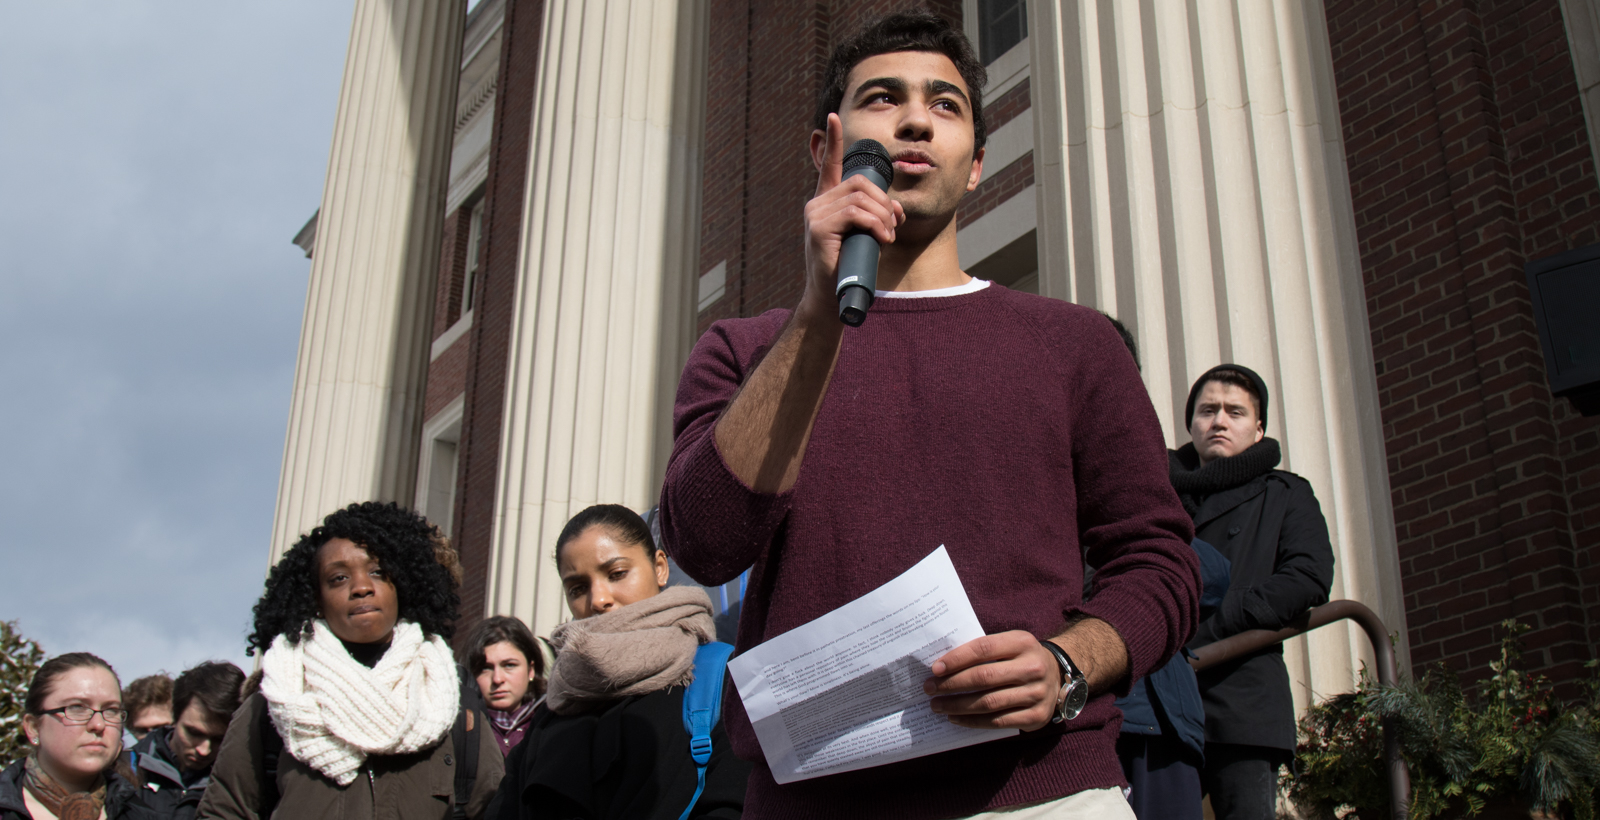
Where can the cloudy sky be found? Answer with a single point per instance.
(156, 158)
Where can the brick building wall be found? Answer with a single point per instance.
(447, 377)
(999, 184)
(447, 374)
(495, 302)
(452, 267)
(1468, 157)
(995, 188)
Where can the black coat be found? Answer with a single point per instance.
(629, 761)
(1272, 530)
(166, 792)
(123, 800)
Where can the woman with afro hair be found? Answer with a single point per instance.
(359, 689)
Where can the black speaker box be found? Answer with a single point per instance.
(1566, 307)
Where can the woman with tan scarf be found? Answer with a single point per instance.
(73, 718)
(608, 740)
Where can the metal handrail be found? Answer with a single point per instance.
(1254, 640)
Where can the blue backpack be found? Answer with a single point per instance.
(702, 707)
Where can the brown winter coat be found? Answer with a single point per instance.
(417, 786)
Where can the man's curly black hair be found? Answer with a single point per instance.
(406, 546)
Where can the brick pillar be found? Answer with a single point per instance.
(356, 411)
(1481, 164)
(1191, 182)
(489, 338)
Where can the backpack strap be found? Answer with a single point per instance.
(702, 708)
(271, 750)
(466, 745)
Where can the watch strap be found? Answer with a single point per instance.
(1069, 670)
(1071, 678)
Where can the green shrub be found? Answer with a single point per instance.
(1513, 741)
(19, 659)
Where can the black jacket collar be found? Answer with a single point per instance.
(1225, 483)
(11, 789)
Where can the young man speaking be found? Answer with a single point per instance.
(1010, 428)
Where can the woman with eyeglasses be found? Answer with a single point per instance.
(72, 717)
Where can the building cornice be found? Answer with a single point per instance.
(474, 101)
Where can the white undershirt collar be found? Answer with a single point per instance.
(959, 290)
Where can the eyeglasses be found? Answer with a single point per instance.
(78, 714)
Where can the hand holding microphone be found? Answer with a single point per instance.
(858, 255)
(852, 207)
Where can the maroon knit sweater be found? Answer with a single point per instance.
(1011, 428)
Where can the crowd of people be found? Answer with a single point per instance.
(1013, 429)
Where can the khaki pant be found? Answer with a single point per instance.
(1093, 804)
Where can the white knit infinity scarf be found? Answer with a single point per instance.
(332, 712)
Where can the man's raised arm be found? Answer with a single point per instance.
(760, 435)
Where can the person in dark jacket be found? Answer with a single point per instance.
(174, 763)
(149, 704)
(1269, 525)
(504, 661)
(359, 711)
(73, 718)
(1162, 740)
(607, 742)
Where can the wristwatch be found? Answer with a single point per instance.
(1074, 687)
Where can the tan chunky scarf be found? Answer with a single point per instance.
(333, 713)
(641, 648)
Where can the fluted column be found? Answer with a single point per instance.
(1192, 182)
(357, 405)
(1582, 19)
(605, 292)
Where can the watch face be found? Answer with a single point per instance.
(1077, 696)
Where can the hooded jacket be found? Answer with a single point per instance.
(162, 778)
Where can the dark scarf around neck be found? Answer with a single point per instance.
(1195, 483)
(58, 800)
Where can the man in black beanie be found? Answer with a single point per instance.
(1269, 525)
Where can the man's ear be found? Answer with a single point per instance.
(1261, 430)
(976, 175)
(819, 145)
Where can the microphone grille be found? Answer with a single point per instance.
(869, 153)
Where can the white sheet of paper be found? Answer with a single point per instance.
(844, 691)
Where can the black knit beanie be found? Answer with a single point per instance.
(1194, 392)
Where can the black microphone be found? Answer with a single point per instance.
(858, 256)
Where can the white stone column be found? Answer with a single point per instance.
(1582, 19)
(1191, 181)
(357, 406)
(605, 291)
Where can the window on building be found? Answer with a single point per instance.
(438, 465)
(441, 493)
(474, 257)
(1002, 24)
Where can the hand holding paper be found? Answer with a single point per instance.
(845, 691)
(1007, 679)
